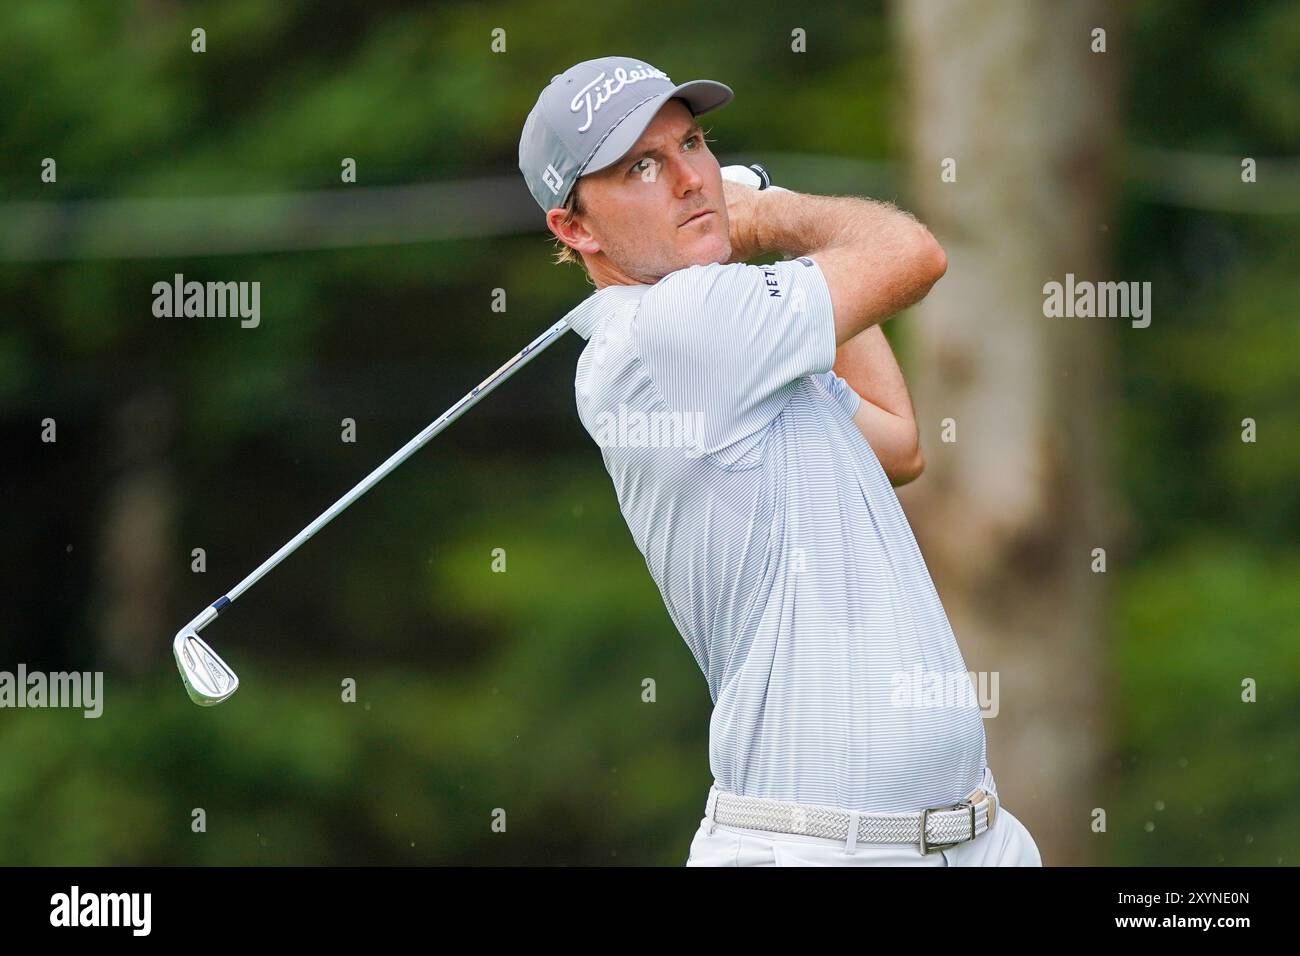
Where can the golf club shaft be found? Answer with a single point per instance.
(530, 351)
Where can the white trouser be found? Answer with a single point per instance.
(1006, 843)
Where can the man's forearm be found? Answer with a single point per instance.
(795, 224)
(867, 363)
(885, 416)
(876, 259)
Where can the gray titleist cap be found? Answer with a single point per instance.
(594, 112)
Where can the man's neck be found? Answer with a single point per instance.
(604, 274)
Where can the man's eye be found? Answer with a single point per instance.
(633, 168)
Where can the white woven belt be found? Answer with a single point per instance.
(933, 829)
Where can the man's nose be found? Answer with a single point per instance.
(686, 177)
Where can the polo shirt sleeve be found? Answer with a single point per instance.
(841, 392)
(730, 343)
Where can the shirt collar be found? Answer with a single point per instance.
(587, 314)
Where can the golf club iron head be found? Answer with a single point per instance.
(208, 679)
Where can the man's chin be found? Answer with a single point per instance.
(709, 253)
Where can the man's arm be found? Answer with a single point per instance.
(876, 259)
(885, 415)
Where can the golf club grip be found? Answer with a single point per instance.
(468, 401)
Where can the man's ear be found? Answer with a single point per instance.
(574, 232)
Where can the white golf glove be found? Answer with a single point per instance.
(751, 176)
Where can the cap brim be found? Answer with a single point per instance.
(700, 95)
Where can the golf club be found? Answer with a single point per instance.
(210, 680)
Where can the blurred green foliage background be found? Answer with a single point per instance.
(523, 690)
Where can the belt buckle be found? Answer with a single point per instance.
(927, 848)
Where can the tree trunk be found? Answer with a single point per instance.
(1008, 514)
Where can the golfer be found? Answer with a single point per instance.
(754, 422)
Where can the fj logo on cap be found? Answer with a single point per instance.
(614, 84)
(553, 179)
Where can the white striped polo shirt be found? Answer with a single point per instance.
(778, 544)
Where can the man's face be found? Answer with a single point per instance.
(635, 227)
